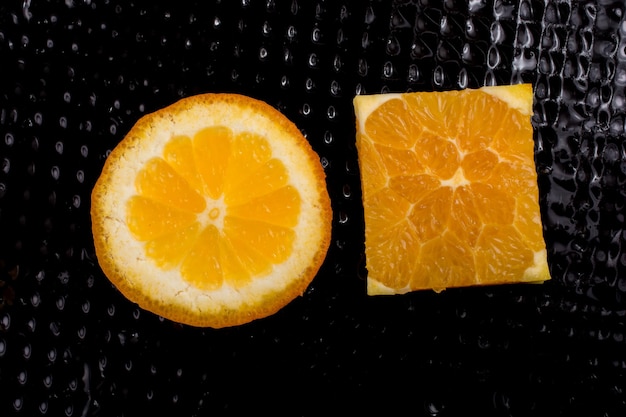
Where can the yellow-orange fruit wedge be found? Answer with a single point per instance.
(212, 212)
(449, 189)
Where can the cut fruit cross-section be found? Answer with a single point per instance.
(212, 212)
(450, 190)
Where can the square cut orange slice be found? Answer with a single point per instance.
(449, 189)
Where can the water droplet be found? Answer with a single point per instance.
(413, 73)
(82, 332)
(388, 70)
(525, 38)
(47, 381)
(3, 347)
(73, 384)
(365, 40)
(306, 109)
(54, 328)
(43, 407)
(347, 193)
(439, 76)
(331, 112)
(52, 355)
(292, 32)
(525, 10)
(18, 403)
(35, 299)
(26, 351)
(393, 46)
(313, 61)
(266, 29)
(497, 33)
(55, 172)
(22, 377)
(60, 303)
(362, 67)
(80, 176)
(9, 140)
(316, 35)
(463, 78)
(340, 36)
(328, 137)
(262, 53)
(369, 16)
(493, 57)
(335, 88)
(102, 363)
(433, 409)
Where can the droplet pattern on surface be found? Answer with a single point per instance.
(77, 75)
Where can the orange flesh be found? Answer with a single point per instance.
(449, 190)
(216, 205)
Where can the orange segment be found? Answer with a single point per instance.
(169, 250)
(178, 153)
(492, 266)
(478, 165)
(269, 177)
(212, 212)
(493, 206)
(449, 189)
(280, 207)
(251, 151)
(375, 170)
(465, 218)
(271, 241)
(388, 117)
(439, 155)
(421, 214)
(155, 180)
(202, 267)
(211, 151)
(414, 187)
(444, 261)
(148, 219)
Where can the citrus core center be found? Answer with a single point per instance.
(213, 213)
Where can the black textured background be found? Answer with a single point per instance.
(76, 74)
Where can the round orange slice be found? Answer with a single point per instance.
(212, 212)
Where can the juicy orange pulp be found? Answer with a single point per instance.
(231, 216)
(212, 211)
(449, 189)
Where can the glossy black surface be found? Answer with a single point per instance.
(74, 77)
